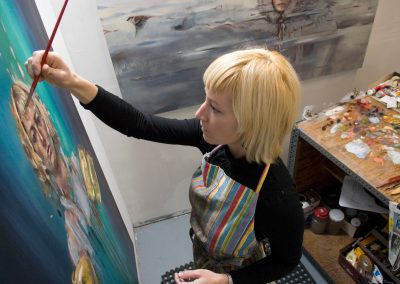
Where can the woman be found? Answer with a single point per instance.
(247, 221)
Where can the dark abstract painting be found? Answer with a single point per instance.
(59, 222)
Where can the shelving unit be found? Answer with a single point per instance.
(314, 170)
(318, 160)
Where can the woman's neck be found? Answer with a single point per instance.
(237, 150)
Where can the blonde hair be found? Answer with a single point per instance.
(265, 92)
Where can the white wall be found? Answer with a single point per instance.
(154, 178)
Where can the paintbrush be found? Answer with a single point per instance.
(394, 190)
(390, 181)
(46, 51)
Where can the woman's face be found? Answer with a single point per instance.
(280, 5)
(38, 132)
(218, 122)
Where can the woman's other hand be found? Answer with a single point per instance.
(200, 276)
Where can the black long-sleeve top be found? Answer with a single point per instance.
(278, 216)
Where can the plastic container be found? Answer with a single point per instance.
(355, 222)
(319, 220)
(336, 217)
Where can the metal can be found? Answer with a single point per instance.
(319, 220)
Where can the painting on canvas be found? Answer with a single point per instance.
(59, 222)
(160, 49)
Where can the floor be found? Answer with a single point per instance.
(165, 245)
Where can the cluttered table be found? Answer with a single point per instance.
(357, 139)
(361, 136)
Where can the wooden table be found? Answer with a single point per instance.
(372, 171)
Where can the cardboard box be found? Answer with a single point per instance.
(350, 269)
(353, 272)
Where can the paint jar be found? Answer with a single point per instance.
(336, 217)
(319, 220)
(355, 222)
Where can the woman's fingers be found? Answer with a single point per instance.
(190, 274)
(201, 276)
(54, 70)
(28, 67)
(35, 61)
(184, 277)
(32, 64)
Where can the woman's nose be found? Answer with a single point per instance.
(201, 111)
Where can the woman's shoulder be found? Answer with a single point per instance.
(279, 188)
(279, 176)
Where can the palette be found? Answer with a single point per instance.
(364, 135)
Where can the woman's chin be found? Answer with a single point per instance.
(205, 137)
(209, 139)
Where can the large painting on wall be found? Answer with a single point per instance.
(160, 48)
(59, 222)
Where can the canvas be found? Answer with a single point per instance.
(160, 49)
(59, 222)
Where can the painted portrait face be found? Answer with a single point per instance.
(35, 123)
(280, 5)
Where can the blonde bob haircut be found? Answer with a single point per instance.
(265, 93)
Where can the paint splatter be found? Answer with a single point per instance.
(358, 148)
(336, 127)
(374, 119)
(394, 156)
(333, 111)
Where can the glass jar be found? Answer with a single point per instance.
(336, 217)
(319, 220)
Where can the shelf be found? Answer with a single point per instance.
(325, 250)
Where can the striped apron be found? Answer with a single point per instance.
(222, 219)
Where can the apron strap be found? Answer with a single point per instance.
(262, 178)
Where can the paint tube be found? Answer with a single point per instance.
(377, 275)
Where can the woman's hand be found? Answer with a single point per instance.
(200, 276)
(56, 72)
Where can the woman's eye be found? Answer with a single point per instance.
(214, 109)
